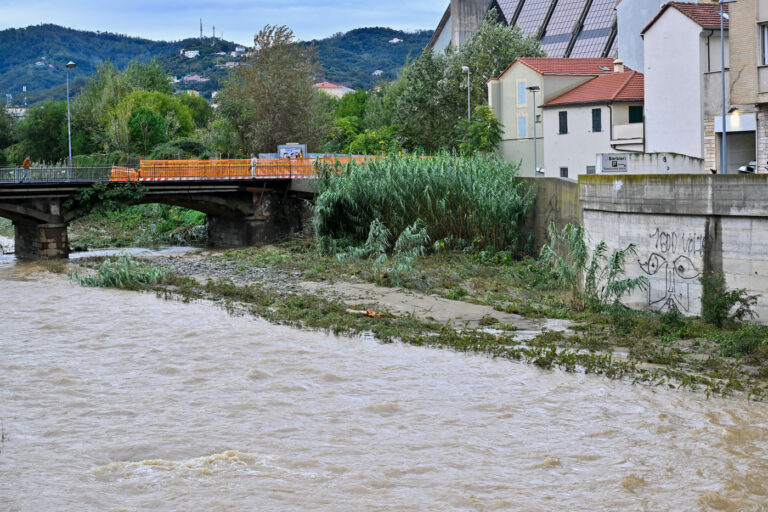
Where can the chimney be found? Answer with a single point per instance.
(618, 66)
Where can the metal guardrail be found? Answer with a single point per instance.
(55, 175)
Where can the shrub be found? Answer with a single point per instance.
(477, 197)
(718, 305)
(747, 340)
(605, 281)
(179, 149)
(125, 272)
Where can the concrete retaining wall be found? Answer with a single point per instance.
(683, 226)
(557, 200)
(657, 163)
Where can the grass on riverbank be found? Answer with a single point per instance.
(147, 225)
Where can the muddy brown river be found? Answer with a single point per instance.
(115, 400)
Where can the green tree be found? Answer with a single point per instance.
(6, 129)
(352, 104)
(148, 77)
(375, 142)
(271, 100)
(483, 135)
(146, 129)
(177, 116)
(341, 134)
(199, 109)
(42, 133)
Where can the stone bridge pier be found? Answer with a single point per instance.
(40, 227)
(263, 217)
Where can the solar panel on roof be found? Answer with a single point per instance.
(560, 28)
(532, 16)
(596, 30)
(508, 8)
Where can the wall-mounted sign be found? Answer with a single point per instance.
(292, 150)
(616, 162)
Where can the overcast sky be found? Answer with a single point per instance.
(237, 19)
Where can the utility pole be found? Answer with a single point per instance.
(724, 150)
(534, 89)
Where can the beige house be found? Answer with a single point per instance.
(749, 78)
(601, 116)
(337, 91)
(511, 99)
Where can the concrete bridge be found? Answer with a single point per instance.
(241, 212)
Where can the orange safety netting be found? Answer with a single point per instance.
(151, 170)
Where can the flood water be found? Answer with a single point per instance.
(115, 400)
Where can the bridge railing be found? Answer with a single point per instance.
(54, 174)
(176, 170)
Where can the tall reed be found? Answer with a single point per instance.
(476, 199)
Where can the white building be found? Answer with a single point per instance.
(682, 84)
(602, 116)
(191, 54)
(511, 100)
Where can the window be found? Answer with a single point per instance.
(522, 98)
(635, 114)
(764, 45)
(563, 116)
(597, 120)
(522, 127)
(590, 169)
(563, 172)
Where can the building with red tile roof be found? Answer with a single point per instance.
(603, 116)
(511, 98)
(682, 46)
(334, 90)
(608, 88)
(705, 15)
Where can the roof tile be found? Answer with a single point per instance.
(626, 86)
(705, 15)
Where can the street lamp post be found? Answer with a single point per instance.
(534, 89)
(724, 151)
(70, 65)
(469, 109)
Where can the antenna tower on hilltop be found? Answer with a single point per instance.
(201, 29)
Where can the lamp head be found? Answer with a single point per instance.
(71, 65)
(533, 88)
(465, 69)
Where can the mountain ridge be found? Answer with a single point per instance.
(35, 57)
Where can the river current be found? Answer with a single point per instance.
(114, 400)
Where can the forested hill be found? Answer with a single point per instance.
(35, 57)
(353, 58)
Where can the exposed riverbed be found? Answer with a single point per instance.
(115, 400)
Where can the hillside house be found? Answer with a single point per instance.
(337, 91)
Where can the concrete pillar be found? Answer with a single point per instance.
(271, 220)
(466, 16)
(41, 241)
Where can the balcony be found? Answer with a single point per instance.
(627, 132)
(627, 137)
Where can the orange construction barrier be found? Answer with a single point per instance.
(230, 169)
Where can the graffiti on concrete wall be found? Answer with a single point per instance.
(672, 266)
